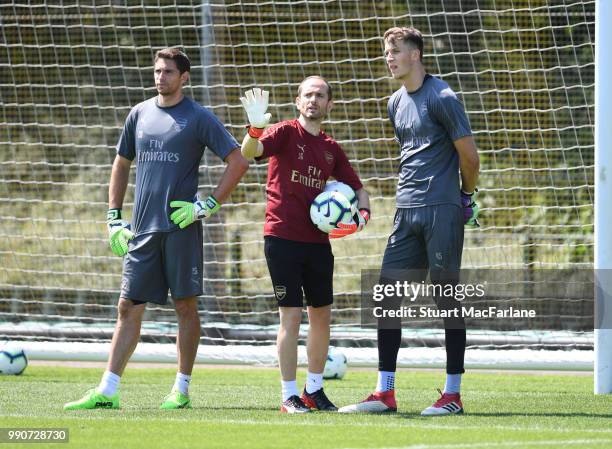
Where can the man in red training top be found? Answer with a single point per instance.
(299, 256)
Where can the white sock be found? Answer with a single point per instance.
(289, 388)
(314, 382)
(109, 384)
(386, 381)
(453, 383)
(181, 383)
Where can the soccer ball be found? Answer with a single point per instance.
(330, 208)
(337, 186)
(335, 365)
(13, 360)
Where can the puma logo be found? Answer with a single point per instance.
(301, 149)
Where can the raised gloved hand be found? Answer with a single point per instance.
(360, 219)
(189, 212)
(470, 208)
(119, 232)
(255, 103)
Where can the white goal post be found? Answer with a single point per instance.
(603, 193)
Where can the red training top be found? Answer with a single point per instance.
(299, 167)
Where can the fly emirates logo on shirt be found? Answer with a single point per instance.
(155, 153)
(311, 179)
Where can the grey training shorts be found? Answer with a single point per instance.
(160, 261)
(429, 237)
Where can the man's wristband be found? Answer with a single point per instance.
(212, 203)
(113, 214)
(367, 211)
(255, 133)
(206, 208)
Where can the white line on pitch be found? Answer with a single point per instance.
(303, 422)
(502, 444)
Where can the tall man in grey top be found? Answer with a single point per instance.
(438, 171)
(166, 136)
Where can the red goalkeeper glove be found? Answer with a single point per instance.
(360, 219)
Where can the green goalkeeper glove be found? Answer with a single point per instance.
(119, 232)
(189, 212)
(470, 209)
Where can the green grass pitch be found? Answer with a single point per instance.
(239, 408)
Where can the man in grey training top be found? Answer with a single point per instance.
(166, 137)
(436, 150)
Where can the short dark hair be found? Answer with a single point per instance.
(329, 89)
(182, 61)
(406, 34)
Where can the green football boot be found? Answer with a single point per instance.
(175, 400)
(93, 399)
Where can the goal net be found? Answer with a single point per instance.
(70, 73)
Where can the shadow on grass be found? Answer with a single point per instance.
(543, 414)
(417, 415)
(236, 407)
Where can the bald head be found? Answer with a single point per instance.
(314, 99)
(309, 79)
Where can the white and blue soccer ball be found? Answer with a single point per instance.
(330, 208)
(335, 365)
(13, 360)
(344, 189)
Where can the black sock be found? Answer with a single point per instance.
(455, 350)
(389, 341)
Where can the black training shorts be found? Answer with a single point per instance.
(300, 269)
